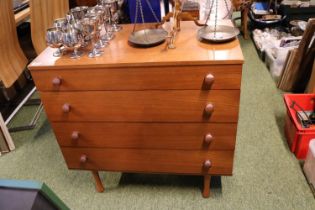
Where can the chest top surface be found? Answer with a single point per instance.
(189, 51)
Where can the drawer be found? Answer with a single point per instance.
(153, 78)
(143, 106)
(149, 161)
(185, 136)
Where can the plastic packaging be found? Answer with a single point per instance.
(309, 165)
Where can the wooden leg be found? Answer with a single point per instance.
(244, 19)
(98, 182)
(206, 186)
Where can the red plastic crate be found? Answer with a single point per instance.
(297, 136)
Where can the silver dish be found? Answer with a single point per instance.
(222, 34)
(147, 37)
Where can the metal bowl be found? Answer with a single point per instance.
(222, 33)
(147, 37)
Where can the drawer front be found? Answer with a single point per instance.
(153, 78)
(185, 136)
(149, 161)
(143, 106)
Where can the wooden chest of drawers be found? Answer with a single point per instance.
(145, 110)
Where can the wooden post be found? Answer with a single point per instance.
(43, 13)
(13, 60)
(206, 186)
(311, 83)
(98, 183)
(244, 20)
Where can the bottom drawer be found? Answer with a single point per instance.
(149, 161)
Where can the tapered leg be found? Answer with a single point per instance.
(98, 183)
(206, 186)
(244, 20)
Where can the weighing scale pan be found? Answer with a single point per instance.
(223, 33)
(147, 37)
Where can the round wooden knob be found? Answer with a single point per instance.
(209, 109)
(208, 138)
(56, 81)
(75, 135)
(66, 108)
(207, 164)
(209, 80)
(83, 158)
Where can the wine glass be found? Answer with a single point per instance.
(107, 20)
(54, 40)
(113, 14)
(90, 23)
(115, 11)
(61, 23)
(72, 40)
(79, 12)
(109, 33)
(101, 12)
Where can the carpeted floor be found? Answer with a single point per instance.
(266, 174)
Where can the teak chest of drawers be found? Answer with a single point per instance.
(145, 110)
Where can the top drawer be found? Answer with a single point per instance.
(153, 78)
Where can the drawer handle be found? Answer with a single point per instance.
(208, 81)
(56, 81)
(75, 135)
(83, 159)
(66, 108)
(209, 109)
(208, 138)
(207, 164)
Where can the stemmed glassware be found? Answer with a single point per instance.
(79, 12)
(114, 14)
(54, 40)
(91, 23)
(99, 12)
(73, 40)
(61, 23)
(82, 26)
(107, 17)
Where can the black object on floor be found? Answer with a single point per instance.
(28, 195)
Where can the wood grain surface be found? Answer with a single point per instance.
(155, 78)
(145, 109)
(186, 136)
(22, 15)
(311, 83)
(189, 51)
(43, 13)
(149, 161)
(13, 60)
(142, 106)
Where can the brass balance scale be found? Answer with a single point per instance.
(155, 36)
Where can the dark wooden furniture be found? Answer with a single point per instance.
(146, 110)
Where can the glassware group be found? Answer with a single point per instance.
(84, 26)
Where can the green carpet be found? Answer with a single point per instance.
(266, 174)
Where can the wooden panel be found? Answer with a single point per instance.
(150, 161)
(13, 61)
(311, 83)
(89, 3)
(142, 106)
(22, 15)
(155, 78)
(43, 13)
(189, 51)
(186, 136)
